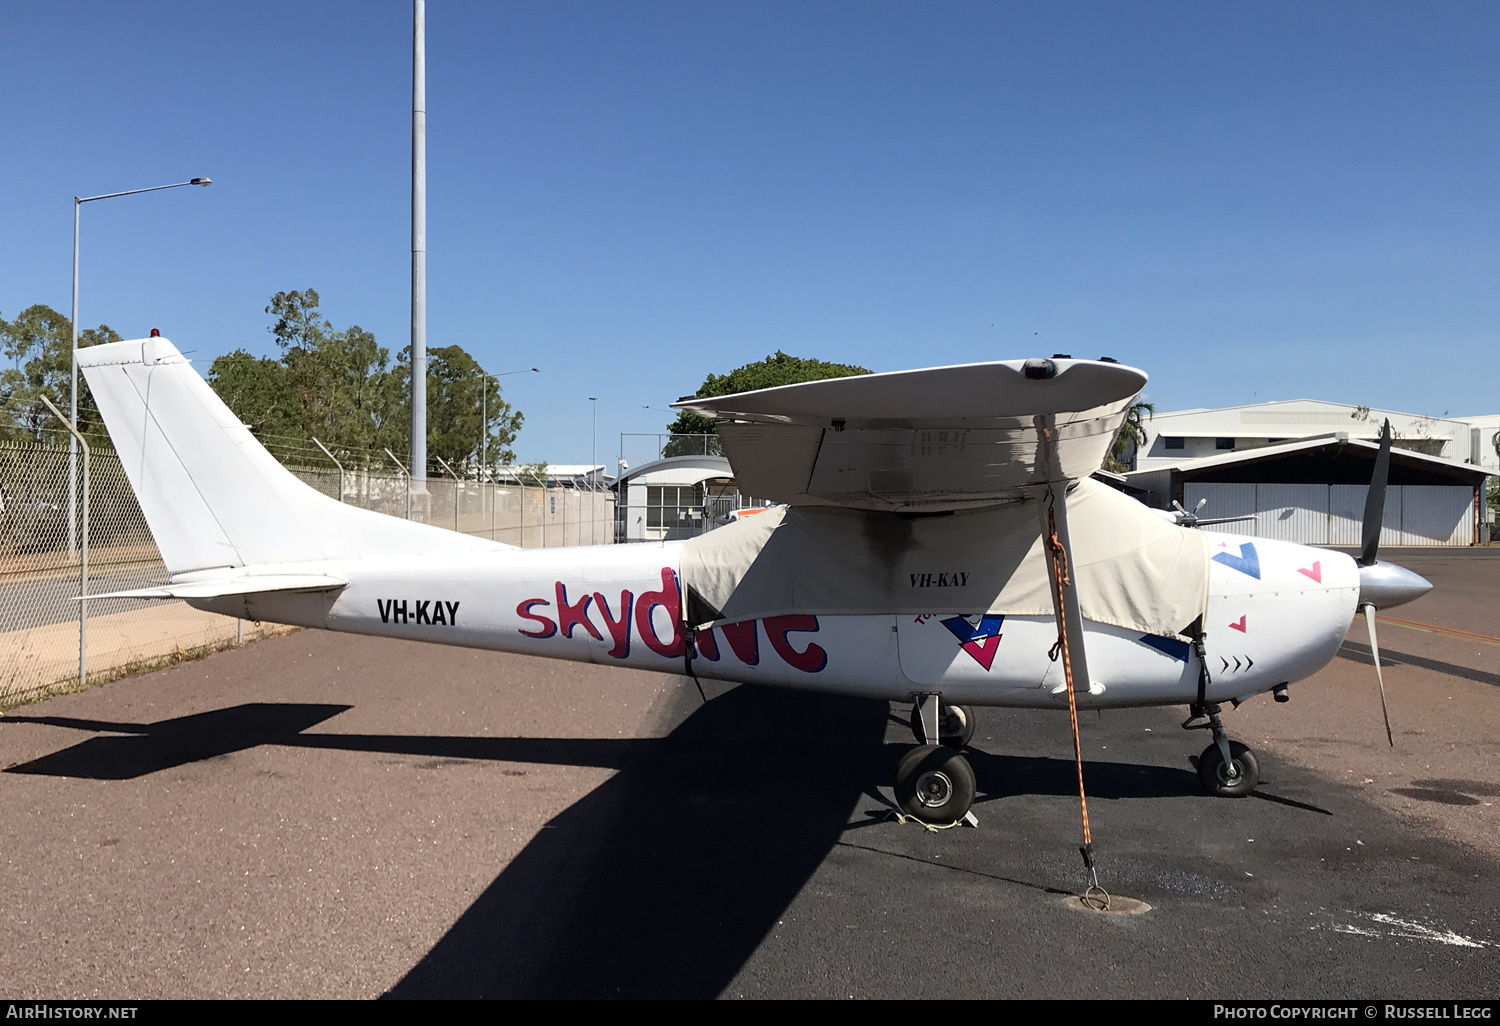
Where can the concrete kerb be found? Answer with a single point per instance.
(43, 661)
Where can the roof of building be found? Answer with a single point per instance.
(1294, 417)
(675, 461)
(1337, 440)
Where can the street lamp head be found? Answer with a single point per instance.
(201, 181)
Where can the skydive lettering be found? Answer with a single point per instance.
(572, 613)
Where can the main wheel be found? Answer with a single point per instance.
(955, 725)
(1234, 781)
(935, 784)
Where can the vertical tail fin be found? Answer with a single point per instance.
(212, 495)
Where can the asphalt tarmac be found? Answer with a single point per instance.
(318, 815)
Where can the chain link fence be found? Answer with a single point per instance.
(41, 634)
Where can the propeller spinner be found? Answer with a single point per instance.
(1382, 585)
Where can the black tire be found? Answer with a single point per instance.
(1216, 781)
(955, 725)
(935, 784)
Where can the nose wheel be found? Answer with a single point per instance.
(1226, 769)
(1234, 778)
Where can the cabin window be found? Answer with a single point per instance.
(1223, 443)
(1174, 443)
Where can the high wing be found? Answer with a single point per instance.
(925, 440)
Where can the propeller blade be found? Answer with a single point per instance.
(1375, 500)
(1375, 651)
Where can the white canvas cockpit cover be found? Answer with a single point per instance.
(1134, 569)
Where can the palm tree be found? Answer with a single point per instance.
(1132, 436)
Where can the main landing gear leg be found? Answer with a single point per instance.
(1226, 768)
(934, 721)
(934, 783)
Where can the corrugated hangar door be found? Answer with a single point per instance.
(1436, 515)
(1291, 512)
(1315, 514)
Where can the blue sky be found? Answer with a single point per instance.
(1250, 202)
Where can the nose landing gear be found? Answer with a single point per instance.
(1226, 769)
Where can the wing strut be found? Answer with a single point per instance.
(1053, 510)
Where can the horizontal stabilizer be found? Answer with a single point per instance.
(224, 587)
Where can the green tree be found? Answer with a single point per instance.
(771, 372)
(1131, 438)
(532, 475)
(38, 344)
(340, 387)
(457, 391)
(259, 392)
(298, 325)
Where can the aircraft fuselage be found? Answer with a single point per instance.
(1277, 612)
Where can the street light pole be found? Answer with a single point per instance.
(78, 202)
(484, 408)
(418, 475)
(594, 489)
(594, 458)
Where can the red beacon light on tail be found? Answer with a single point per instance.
(156, 333)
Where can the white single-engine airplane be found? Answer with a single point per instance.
(938, 540)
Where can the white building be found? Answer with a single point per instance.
(583, 476)
(1172, 438)
(677, 497)
(1313, 491)
(1486, 426)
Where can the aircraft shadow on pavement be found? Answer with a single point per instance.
(1006, 776)
(664, 880)
(1358, 653)
(659, 883)
(1002, 776)
(151, 747)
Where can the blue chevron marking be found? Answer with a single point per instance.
(1171, 646)
(989, 626)
(1247, 562)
